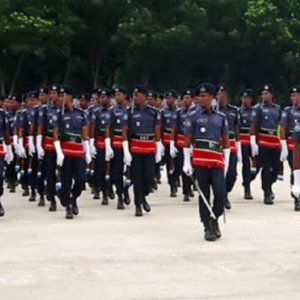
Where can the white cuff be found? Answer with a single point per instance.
(92, 142)
(30, 139)
(226, 153)
(57, 147)
(125, 145)
(252, 139)
(21, 142)
(39, 139)
(86, 146)
(107, 142)
(15, 139)
(296, 177)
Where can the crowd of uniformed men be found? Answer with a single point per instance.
(56, 145)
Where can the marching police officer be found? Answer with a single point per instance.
(232, 115)
(289, 119)
(207, 130)
(177, 141)
(6, 154)
(100, 144)
(264, 130)
(168, 120)
(119, 118)
(70, 133)
(11, 174)
(45, 142)
(245, 112)
(144, 133)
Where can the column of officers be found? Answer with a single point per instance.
(56, 145)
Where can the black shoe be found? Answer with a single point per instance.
(2, 211)
(12, 188)
(96, 195)
(104, 200)
(297, 204)
(127, 198)
(158, 181)
(120, 202)
(192, 194)
(32, 197)
(155, 185)
(111, 194)
(42, 201)
(173, 194)
(52, 206)
(146, 206)
(227, 204)
(209, 234)
(75, 209)
(272, 195)
(216, 228)
(194, 188)
(186, 198)
(268, 200)
(248, 195)
(69, 213)
(25, 193)
(138, 211)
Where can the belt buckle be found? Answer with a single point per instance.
(143, 137)
(271, 132)
(210, 144)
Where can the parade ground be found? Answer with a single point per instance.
(108, 254)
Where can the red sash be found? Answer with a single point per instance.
(290, 143)
(117, 142)
(2, 153)
(142, 146)
(180, 140)
(232, 145)
(269, 141)
(245, 139)
(208, 158)
(166, 138)
(49, 144)
(72, 149)
(100, 142)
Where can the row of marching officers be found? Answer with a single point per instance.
(200, 138)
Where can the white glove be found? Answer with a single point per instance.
(158, 152)
(93, 149)
(9, 156)
(296, 186)
(59, 153)
(109, 153)
(22, 151)
(239, 151)
(87, 151)
(15, 143)
(162, 148)
(127, 155)
(39, 148)
(173, 149)
(226, 153)
(187, 166)
(284, 150)
(31, 148)
(254, 146)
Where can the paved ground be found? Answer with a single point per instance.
(109, 254)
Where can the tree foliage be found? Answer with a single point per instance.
(164, 44)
